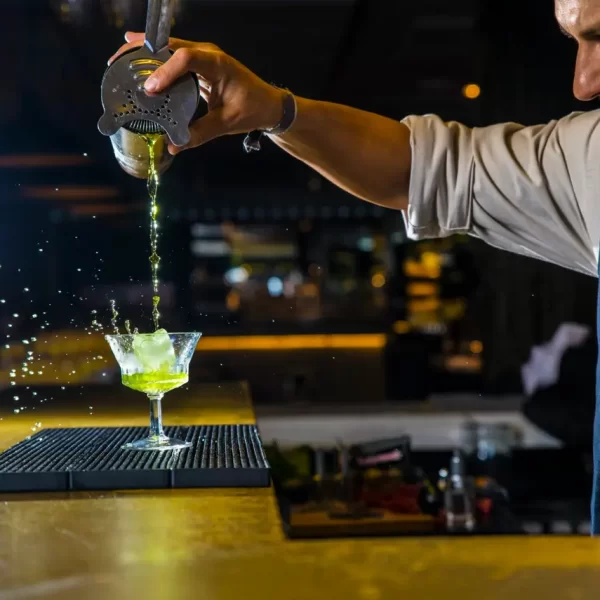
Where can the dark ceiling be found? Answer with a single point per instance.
(389, 56)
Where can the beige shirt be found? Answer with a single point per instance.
(530, 190)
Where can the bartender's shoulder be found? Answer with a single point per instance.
(581, 118)
(577, 127)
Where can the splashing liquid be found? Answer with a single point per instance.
(114, 317)
(128, 326)
(153, 181)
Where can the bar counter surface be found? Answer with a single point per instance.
(227, 544)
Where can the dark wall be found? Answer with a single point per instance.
(528, 78)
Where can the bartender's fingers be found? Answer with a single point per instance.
(205, 59)
(209, 127)
(135, 40)
(174, 43)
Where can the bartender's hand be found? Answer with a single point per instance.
(238, 100)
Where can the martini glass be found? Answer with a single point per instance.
(154, 363)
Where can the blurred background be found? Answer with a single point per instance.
(345, 330)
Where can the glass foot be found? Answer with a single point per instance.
(163, 443)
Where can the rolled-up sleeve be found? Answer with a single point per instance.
(530, 190)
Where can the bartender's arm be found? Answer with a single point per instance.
(531, 190)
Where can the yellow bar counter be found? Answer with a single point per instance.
(228, 544)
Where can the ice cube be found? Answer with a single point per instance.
(154, 351)
(130, 364)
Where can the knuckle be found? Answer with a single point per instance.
(184, 56)
(209, 46)
(222, 60)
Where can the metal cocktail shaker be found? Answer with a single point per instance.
(129, 113)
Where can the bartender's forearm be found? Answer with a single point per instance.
(363, 153)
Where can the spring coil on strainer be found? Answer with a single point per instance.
(144, 127)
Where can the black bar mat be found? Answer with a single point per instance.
(90, 458)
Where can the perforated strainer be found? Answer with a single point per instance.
(125, 102)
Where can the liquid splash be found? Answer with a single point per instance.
(152, 184)
(114, 317)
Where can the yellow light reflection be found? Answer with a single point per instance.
(471, 91)
(233, 301)
(401, 327)
(292, 342)
(378, 280)
(422, 289)
(476, 347)
(425, 305)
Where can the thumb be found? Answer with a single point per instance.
(209, 127)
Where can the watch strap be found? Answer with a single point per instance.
(289, 109)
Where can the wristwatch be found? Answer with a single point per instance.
(290, 110)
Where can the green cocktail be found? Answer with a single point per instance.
(154, 363)
(155, 382)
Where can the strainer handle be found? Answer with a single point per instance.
(158, 24)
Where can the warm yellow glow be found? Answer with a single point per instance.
(428, 267)
(378, 280)
(101, 209)
(476, 347)
(72, 345)
(308, 290)
(463, 363)
(233, 301)
(292, 342)
(19, 161)
(422, 289)
(425, 305)
(431, 260)
(453, 309)
(70, 192)
(425, 319)
(401, 327)
(89, 355)
(471, 91)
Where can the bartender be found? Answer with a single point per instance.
(531, 190)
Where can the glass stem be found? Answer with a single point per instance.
(156, 426)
